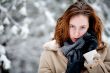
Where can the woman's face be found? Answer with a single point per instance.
(78, 26)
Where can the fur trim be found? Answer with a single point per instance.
(51, 45)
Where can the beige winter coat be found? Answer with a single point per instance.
(53, 61)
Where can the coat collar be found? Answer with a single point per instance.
(51, 45)
(103, 50)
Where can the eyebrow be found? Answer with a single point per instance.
(81, 25)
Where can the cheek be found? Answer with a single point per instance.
(83, 32)
(71, 33)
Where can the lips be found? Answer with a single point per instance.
(75, 39)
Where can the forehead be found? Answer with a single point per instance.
(79, 20)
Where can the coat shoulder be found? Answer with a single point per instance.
(45, 62)
(46, 54)
(107, 58)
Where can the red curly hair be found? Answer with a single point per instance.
(80, 7)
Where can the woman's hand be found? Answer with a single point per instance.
(75, 56)
(91, 41)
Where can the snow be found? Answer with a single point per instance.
(31, 23)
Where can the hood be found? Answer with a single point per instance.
(51, 45)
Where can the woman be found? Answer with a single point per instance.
(78, 31)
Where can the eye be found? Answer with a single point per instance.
(72, 26)
(83, 27)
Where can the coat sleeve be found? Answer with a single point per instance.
(102, 66)
(44, 64)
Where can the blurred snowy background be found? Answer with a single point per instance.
(25, 25)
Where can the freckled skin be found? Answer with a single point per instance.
(78, 26)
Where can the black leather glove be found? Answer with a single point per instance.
(91, 41)
(75, 55)
(74, 52)
(75, 62)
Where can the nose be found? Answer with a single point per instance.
(77, 34)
